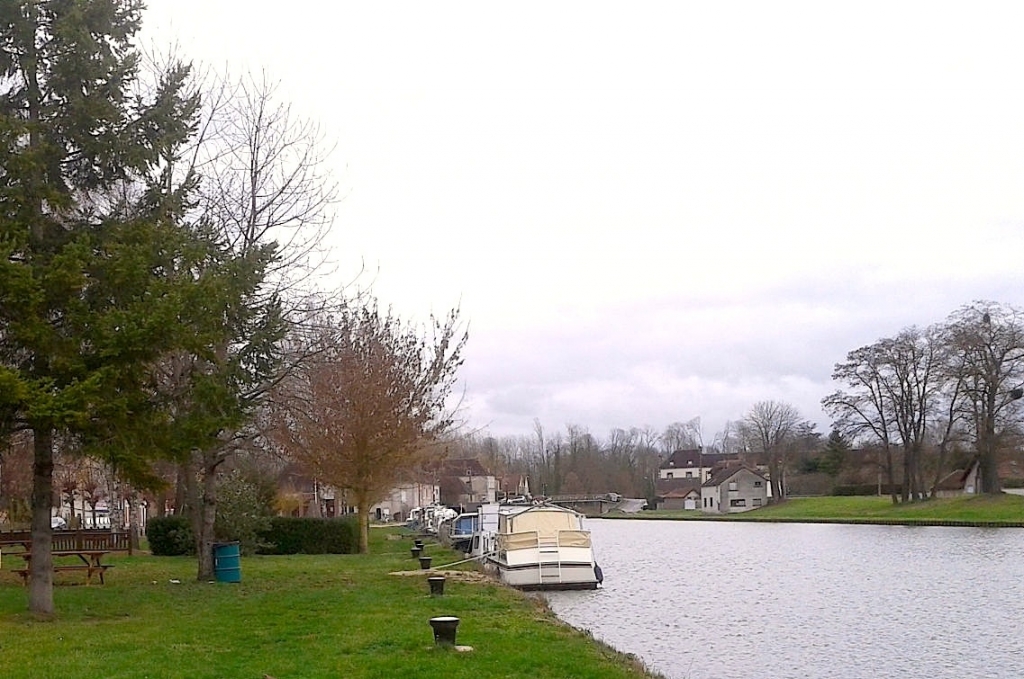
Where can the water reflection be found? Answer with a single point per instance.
(709, 600)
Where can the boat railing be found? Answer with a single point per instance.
(534, 540)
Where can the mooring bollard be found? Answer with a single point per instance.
(425, 562)
(436, 585)
(415, 552)
(444, 630)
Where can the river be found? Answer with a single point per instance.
(732, 600)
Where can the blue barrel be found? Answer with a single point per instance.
(227, 562)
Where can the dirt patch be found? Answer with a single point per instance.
(454, 576)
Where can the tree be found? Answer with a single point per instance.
(99, 276)
(265, 193)
(365, 408)
(770, 424)
(987, 340)
(834, 455)
(892, 390)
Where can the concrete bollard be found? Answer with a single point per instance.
(425, 562)
(444, 629)
(436, 585)
(416, 551)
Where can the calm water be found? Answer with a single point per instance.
(708, 600)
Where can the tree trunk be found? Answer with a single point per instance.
(363, 517)
(183, 488)
(988, 466)
(208, 515)
(133, 523)
(907, 475)
(891, 474)
(775, 474)
(40, 593)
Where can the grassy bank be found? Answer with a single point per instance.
(292, 616)
(995, 510)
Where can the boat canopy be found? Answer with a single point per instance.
(546, 521)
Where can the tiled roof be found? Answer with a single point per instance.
(676, 487)
(683, 459)
(723, 474)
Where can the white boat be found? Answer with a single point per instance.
(542, 546)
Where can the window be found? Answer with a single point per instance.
(669, 475)
(757, 502)
(757, 484)
(733, 486)
(741, 502)
(689, 475)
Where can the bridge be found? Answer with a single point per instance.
(597, 505)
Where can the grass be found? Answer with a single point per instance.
(291, 616)
(1002, 509)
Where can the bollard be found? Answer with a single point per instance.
(418, 544)
(444, 630)
(425, 562)
(415, 552)
(436, 585)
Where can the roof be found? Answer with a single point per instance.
(956, 479)
(723, 474)
(666, 488)
(683, 458)
(463, 466)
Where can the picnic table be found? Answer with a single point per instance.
(91, 563)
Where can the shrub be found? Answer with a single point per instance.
(243, 510)
(306, 535)
(170, 535)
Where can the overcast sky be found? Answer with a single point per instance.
(651, 212)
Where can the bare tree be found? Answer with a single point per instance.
(259, 180)
(862, 410)
(771, 423)
(681, 436)
(365, 409)
(989, 340)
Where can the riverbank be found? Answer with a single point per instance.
(294, 616)
(985, 511)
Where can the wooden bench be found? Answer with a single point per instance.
(112, 541)
(89, 571)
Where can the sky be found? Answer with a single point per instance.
(652, 212)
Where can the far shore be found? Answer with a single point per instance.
(997, 511)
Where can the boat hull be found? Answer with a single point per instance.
(533, 577)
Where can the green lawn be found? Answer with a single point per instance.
(291, 616)
(996, 509)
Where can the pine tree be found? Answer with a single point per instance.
(101, 277)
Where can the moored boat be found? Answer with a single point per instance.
(543, 546)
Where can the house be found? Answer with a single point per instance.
(686, 464)
(465, 483)
(404, 498)
(959, 482)
(734, 489)
(695, 464)
(515, 485)
(674, 493)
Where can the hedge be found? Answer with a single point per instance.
(306, 535)
(172, 536)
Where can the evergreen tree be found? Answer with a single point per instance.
(101, 280)
(834, 455)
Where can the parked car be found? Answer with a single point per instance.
(58, 523)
